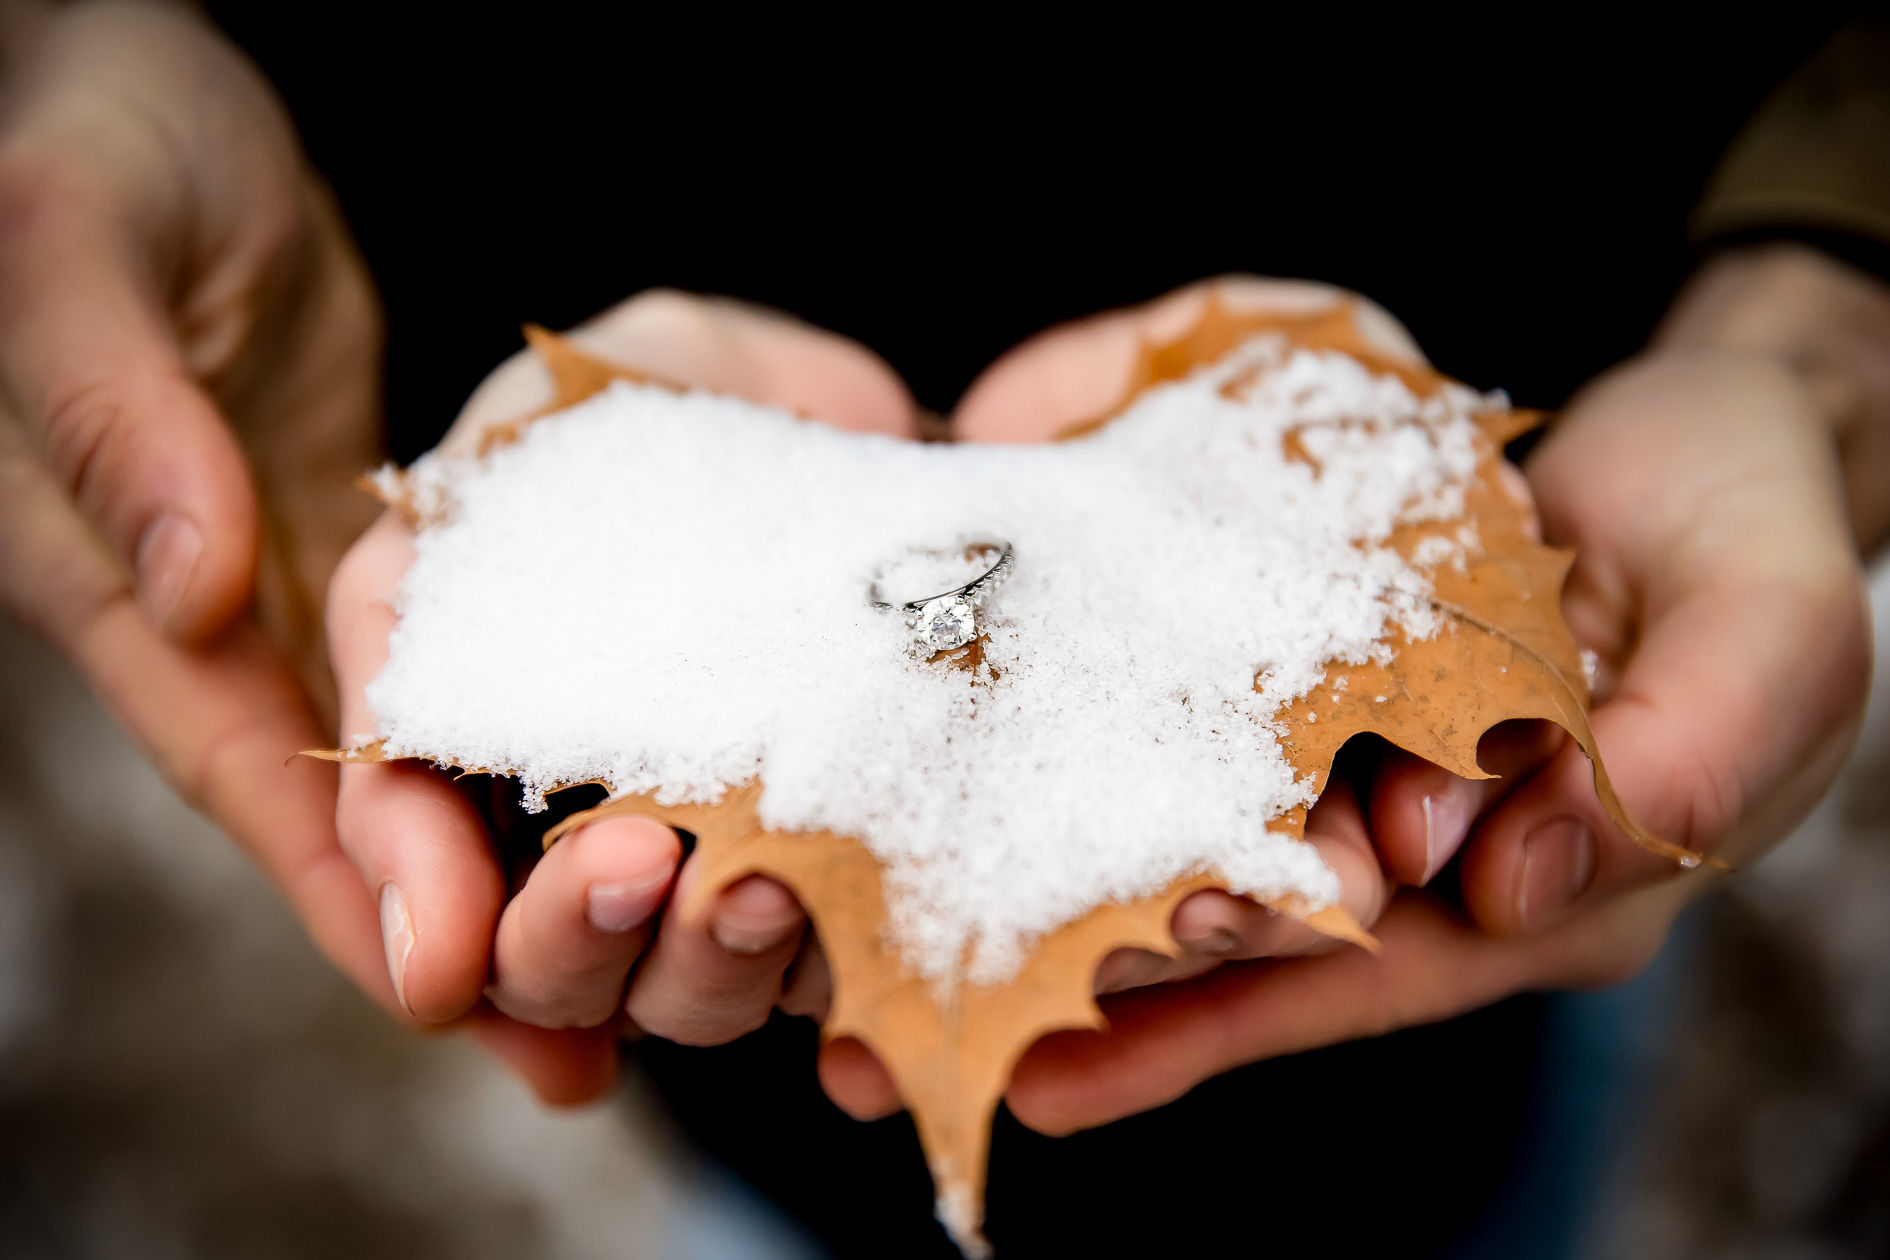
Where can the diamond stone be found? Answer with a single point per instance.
(946, 623)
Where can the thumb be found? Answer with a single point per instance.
(88, 360)
(1715, 560)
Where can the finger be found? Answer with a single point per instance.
(565, 1067)
(1129, 967)
(1163, 1040)
(1421, 813)
(420, 848)
(566, 942)
(850, 1073)
(1212, 927)
(716, 974)
(1516, 486)
(90, 367)
(1722, 730)
(739, 953)
(720, 345)
(808, 989)
(1081, 371)
(856, 1081)
(1219, 926)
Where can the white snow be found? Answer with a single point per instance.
(669, 593)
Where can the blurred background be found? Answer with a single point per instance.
(183, 1075)
(180, 1073)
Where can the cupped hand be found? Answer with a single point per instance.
(559, 953)
(543, 970)
(1716, 578)
(1683, 550)
(189, 363)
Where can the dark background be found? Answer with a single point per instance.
(1516, 192)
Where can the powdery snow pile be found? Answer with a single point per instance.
(668, 593)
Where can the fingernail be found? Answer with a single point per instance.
(167, 556)
(397, 938)
(1216, 940)
(1558, 866)
(621, 906)
(1447, 816)
(746, 934)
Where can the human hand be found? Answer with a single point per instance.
(695, 987)
(189, 364)
(711, 973)
(1717, 578)
(555, 954)
(547, 957)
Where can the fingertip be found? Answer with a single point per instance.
(1516, 486)
(856, 1081)
(808, 989)
(1548, 849)
(455, 903)
(194, 563)
(1056, 379)
(1127, 967)
(716, 968)
(1559, 859)
(1208, 923)
(1337, 828)
(755, 915)
(154, 465)
(1420, 816)
(756, 352)
(627, 865)
(627, 843)
(1049, 1090)
(423, 851)
(564, 1067)
(91, 364)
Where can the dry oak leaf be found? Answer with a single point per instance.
(1503, 653)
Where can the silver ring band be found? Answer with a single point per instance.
(971, 590)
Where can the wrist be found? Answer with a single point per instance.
(1828, 324)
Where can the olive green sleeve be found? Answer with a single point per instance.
(1816, 156)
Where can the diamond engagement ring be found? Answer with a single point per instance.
(950, 620)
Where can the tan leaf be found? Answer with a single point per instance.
(1502, 653)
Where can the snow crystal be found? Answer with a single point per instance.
(669, 593)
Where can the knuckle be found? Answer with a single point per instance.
(699, 1019)
(84, 418)
(690, 1031)
(560, 1009)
